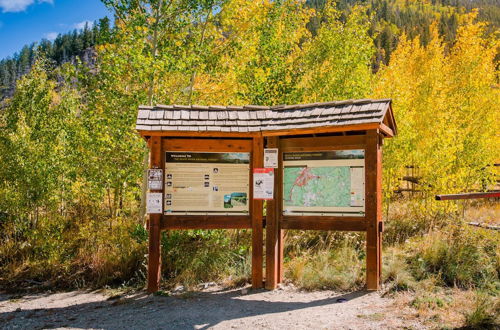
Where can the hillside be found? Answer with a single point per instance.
(66, 47)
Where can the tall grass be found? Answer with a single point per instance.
(59, 254)
(340, 269)
(191, 257)
(459, 255)
(485, 313)
(95, 253)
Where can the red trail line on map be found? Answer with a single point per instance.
(304, 177)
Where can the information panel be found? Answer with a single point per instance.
(324, 183)
(207, 183)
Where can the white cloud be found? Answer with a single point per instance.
(14, 6)
(51, 35)
(81, 25)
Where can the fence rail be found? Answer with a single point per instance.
(491, 194)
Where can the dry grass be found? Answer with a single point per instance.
(442, 308)
(340, 269)
(482, 212)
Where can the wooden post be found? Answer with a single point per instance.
(154, 258)
(256, 213)
(278, 197)
(373, 202)
(272, 229)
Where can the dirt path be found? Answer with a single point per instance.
(213, 308)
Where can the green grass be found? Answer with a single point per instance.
(485, 313)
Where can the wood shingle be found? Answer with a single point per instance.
(254, 118)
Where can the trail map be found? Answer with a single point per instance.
(317, 186)
(324, 182)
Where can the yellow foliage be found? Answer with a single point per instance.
(447, 110)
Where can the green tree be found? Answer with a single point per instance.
(35, 172)
(336, 63)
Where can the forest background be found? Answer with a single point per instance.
(71, 210)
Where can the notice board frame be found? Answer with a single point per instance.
(371, 222)
(223, 142)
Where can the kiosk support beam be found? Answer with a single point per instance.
(154, 260)
(274, 244)
(257, 231)
(373, 169)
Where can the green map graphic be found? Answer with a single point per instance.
(317, 186)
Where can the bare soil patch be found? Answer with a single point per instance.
(212, 308)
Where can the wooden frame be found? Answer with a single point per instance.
(363, 136)
(371, 142)
(158, 144)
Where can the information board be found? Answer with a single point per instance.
(324, 183)
(206, 183)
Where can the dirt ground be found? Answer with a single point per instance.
(212, 308)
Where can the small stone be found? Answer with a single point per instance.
(179, 289)
(244, 291)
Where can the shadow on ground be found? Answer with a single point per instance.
(199, 310)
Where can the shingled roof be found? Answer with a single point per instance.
(253, 118)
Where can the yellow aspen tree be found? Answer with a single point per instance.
(447, 110)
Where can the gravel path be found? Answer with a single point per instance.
(209, 309)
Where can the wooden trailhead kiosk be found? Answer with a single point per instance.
(319, 166)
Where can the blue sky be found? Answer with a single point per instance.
(25, 21)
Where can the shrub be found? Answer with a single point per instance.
(56, 254)
(459, 255)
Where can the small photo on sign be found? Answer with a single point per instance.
(169, 183)
(216, 170)
(169, 176)
(207, 177)
(235, 199)
(168, 196)
(215, 188)
(168, 203)
(207, 184)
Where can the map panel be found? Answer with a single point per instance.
(324, 183)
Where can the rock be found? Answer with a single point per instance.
(179, 289)
(244, 291)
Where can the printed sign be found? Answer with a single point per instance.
(155, 179)
(324, 183)
(271, 158)
(263, 183)
(207, 183)
(153, 203)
